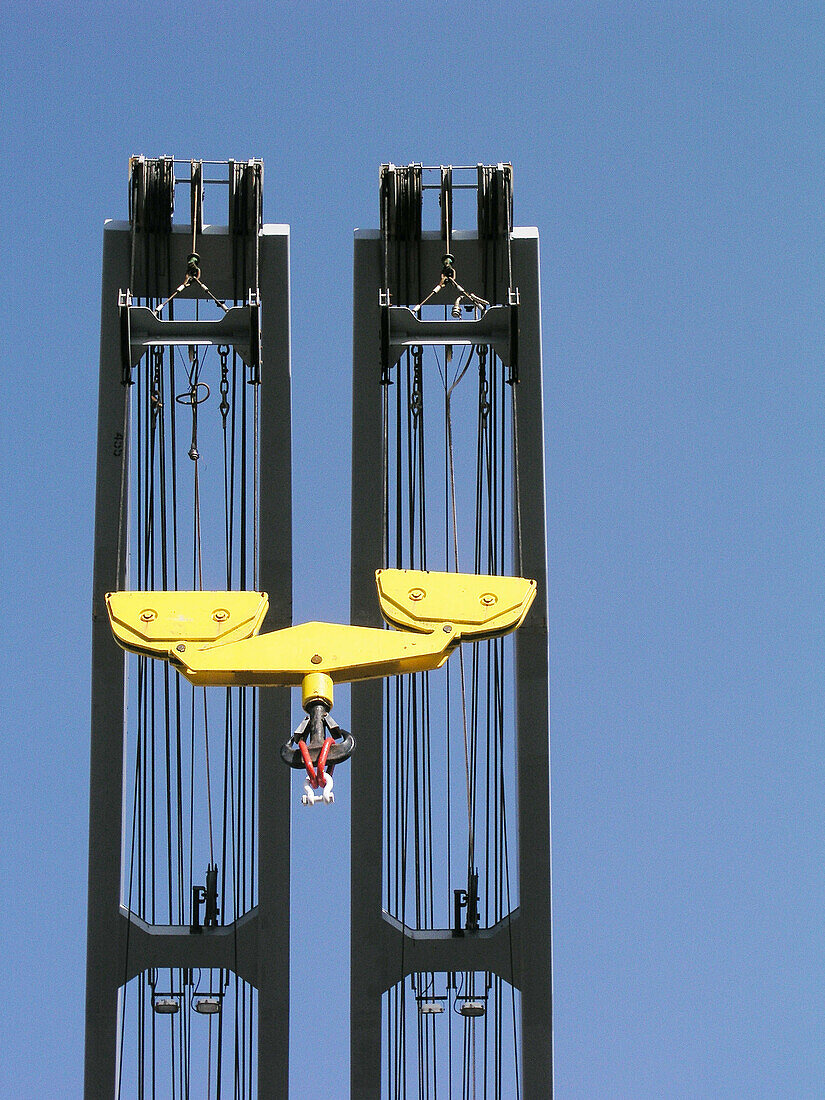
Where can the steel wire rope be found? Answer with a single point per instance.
(412, 725)
(193, 378)
(514, 478)
(248, 711)
(395, 873)
(497, 536)
(184, 1028)
(132, 846)
(253, 695)
(415, 726)
(149, 584)
(449, 389)
(156, 548)
(184, 890)
(490, 267)
(242, 702)
(491, 505)
(239, 1012)
(172, 699)
(420, 730)
(151, 422)
(496, 517)
(138, 846)
(385, 687)
(487, 507)
(390, 755)
(144, 825)
(237, 888)
(143, 708)
(159, 406)
(234, 814)
(424, 1062)
(412, 701)
(448, 742)
(196, 364)
(227, 816)
(419, 436)
(400, 785)
(406, 723)
(490, 518)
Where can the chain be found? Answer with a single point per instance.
(484, 385)
(223, 352)
(416, 396)
(155, 403)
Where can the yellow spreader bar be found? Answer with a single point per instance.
(212, 637)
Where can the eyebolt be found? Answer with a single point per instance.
(316, 659)
(220, 615)
(417, 593)
(148, 615)
(180, 648)
(488, 599)
(447, 629)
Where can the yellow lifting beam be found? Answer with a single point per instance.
(212, 637)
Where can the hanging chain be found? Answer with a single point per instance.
(155, 402)
(223, 352)
(484, 385)
(416, 395)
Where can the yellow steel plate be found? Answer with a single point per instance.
(344, 653)
(479, 606)
(152, 622)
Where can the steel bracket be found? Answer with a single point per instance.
(141, 329)
(401, 329)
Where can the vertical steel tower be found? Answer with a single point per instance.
(451, 973)
(188, 934)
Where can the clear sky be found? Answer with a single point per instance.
(671, 156)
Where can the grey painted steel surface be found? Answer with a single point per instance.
(104, 964)
(274, 708)
(377, 939)
(120, 946)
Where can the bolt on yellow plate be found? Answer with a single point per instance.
(211, 636)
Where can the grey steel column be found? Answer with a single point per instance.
(533, 692)
(367, 951)
(104, 959)
(274, 711)
(257, 945)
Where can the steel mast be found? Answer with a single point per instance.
(178, 929)
(435, 312)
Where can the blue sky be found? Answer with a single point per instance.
(671, 156)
